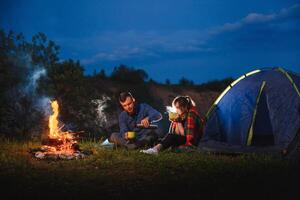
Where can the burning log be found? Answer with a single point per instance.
(52, 142)
(59, 144)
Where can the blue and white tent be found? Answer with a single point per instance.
(260, 109)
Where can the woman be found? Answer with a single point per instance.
(185, 130)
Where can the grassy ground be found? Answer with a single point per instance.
(120, 174)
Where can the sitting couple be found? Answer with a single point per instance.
(185, 128)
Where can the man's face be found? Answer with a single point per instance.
(128, 105)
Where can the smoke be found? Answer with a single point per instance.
(31, 84)
(24, 110)
(33, 73)
(101, 116)
(43, 104)
(29, 75)
(170, 109)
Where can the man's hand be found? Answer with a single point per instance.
(145, 122)
(126, 135)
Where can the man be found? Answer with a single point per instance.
(135, 114)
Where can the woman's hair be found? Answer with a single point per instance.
(185, 102)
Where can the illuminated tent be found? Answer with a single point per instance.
(258, 111)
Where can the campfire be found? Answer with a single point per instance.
(59, 144)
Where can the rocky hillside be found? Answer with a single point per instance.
(166, 94)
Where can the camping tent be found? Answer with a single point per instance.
(259, 110)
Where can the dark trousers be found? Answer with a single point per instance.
(172, 140)
(148, 139)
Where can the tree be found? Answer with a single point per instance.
(215, 85)
(102, 74)
(18, 60)
(168, 82)
(66, 77)
(152, 81)
(128, 74)
(43, 51)
(185, 82)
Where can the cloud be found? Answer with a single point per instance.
(118, 54)
(258, 18)
(291, 12)
(137, 44)
(119, 46)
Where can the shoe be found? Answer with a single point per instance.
(107, 144)
(151, 151)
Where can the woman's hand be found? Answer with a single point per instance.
(179, 128)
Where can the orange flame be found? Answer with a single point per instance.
(66, 138)
(53, 121)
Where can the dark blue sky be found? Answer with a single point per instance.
(199, 39)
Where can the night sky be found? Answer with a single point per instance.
(200, 40)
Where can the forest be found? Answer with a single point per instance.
(32, 74)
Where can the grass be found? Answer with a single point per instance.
(118, 174)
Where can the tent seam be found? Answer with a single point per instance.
(250, 132)
(290, 79)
